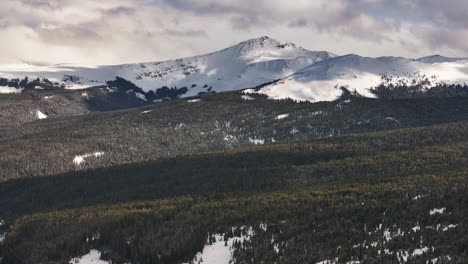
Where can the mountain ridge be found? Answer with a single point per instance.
(303, 75)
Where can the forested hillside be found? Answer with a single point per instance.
(60, 144)
(38, 104)
(386, 197)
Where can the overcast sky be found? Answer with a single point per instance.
(121, 31)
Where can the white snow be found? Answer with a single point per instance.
(281, 117)
(230, 138)
(446, 228)
(392, 119)
(194, 101)
(220, 251)
(328, 261)
(247, 64)
(389, 235)
(147, 111)
(436, 260)
(81, 158)
(41, 115)
(247, 97)
(294, 131)
(94, 257)
(403, 256)
(323, 81)
(418, 197)
(2, 238)
(9, 90)
(257, 141)
(419, 251)
(437, 211)
(140, 96)
(303, 75)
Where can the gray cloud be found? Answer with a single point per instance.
(300, 22)
(187, 33)
(118, 31)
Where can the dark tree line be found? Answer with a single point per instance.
(423, 87)
(27, 84)
(164, 92)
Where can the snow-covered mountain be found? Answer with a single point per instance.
(323, 81)
(247, 64)
(302, 74)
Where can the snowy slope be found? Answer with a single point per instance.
(322, 81)
(303, 74)
(247, 64)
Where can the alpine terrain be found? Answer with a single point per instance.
(263, 152)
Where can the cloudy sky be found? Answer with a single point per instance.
(122, 31)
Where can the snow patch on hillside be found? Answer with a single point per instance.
(437, 211)
(247, 97)
(78, 160)
(9, 90)
(257, 141)
(328, 261)
(94, 257)
(41, 115)
(141, 96)
(281, 117)
(220, 251)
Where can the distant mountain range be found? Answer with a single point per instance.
(284, 69)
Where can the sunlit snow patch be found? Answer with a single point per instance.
(281, 117)
(446, 228)
(9, 90)
(94, 257)
(194, 101)
(247, 97)
(41, 115)
(439, 259)
(257, 141)
(220, 251)
(437, 211)
(141, 96)
(81, 158)
(329, 261)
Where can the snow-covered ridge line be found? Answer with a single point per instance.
(247, 64)
(323, 81)
(303, 75)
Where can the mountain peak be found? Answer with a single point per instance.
(260, 42)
